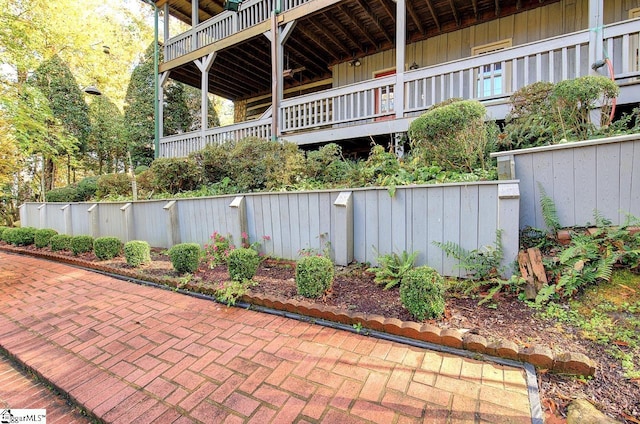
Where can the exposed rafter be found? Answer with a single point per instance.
(319, 43)
(346, 32)
(434, 15)
(415, 18)
(339, 44)
(474, 3)
(498, 8)
(390, 9)
(375, 20)
(361, 27)
(454, 10)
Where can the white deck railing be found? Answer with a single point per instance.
(223, 25)
(555, 59)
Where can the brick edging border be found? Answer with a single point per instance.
(540, 356)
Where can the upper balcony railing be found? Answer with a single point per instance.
(489, 77)
(223, 25)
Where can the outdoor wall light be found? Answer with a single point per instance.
(355, 62)
(93, 90)
(232, 5)
(414, 65)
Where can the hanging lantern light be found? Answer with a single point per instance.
(232, 5)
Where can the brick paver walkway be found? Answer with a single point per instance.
(18, 390)
(129, 353)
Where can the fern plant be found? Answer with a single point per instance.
(549, 211)
(392, 267)
(482, 264)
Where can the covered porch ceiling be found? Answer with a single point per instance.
(338, 33)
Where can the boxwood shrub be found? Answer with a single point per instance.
(422, 293)
(22, 236)
(314, 275)
(60, 242)
(2, 228)
(81, 244)
(107, 248)
(185, 257)
(243, 264)
(42, 237)
(137, 252)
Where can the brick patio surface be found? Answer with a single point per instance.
(128, 353)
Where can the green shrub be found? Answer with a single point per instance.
(453, 136)
(174, 175)
(531, 121)
(22, 236)
(422, 293)
(2, 228)
(113, 185)
(81, 244)
(60, 242)
(314, 275)
(214, 161)
(137, 253)
(87, 188)
(107, 248)
(62, 194)
(185, 257)
(243, 264)
(43, 236)
(140, 169)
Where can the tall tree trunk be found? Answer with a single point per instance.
(49, 174)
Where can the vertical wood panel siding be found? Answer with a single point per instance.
(581, 177)
(411, 220)
(80, 219)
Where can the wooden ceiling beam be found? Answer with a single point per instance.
(498, 7)
(375, 19)
(251, 82)
(454, 10)
(317, 42)
(390, 9)
(434, 16)
(248, 64)
(331, 37)
(308, 53)
(356, 22)
(474, 3)
(414, 16)
(346, 32)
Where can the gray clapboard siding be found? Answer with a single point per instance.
(580, 177)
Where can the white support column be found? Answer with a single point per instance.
(204, 65)
(401, 45)
(342, 239)
(596, 22)
(278, 37)
(165, 14)
(162, 81)
(94, 220)
(238, 221)
(66, 219)
(127, 222)
(173, 223)
(194, 23)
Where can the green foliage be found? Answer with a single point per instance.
(62, 194)
(549, 211)
(81, 244)
(107, 248)
(137, 252)
(575, 99)
(2, 228)
(217, 252)
(60, 242)
(453, 136)
(422, 293)
(243, 264)
(185, 257)
(43, 236)
(140, 169)
(230, 291)
(213, 160)
(113, 185)
(543, 113)
(482, 263)
(392, 267)
(22, 236)
(530, 122)
(175, 174)
(314, 276)
(590, 258)
(87, 188)
(107, 142)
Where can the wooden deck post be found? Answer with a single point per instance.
(238, 207)
(596, 42)
(127, 222)
(342, 239)
(204, 65)
(173, 223)
(401, 42)
(66, 219)
(94, 223)
(509, 222)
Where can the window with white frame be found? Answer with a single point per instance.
(490, 78)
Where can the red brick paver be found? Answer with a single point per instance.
(130, 353)
(21, 391)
